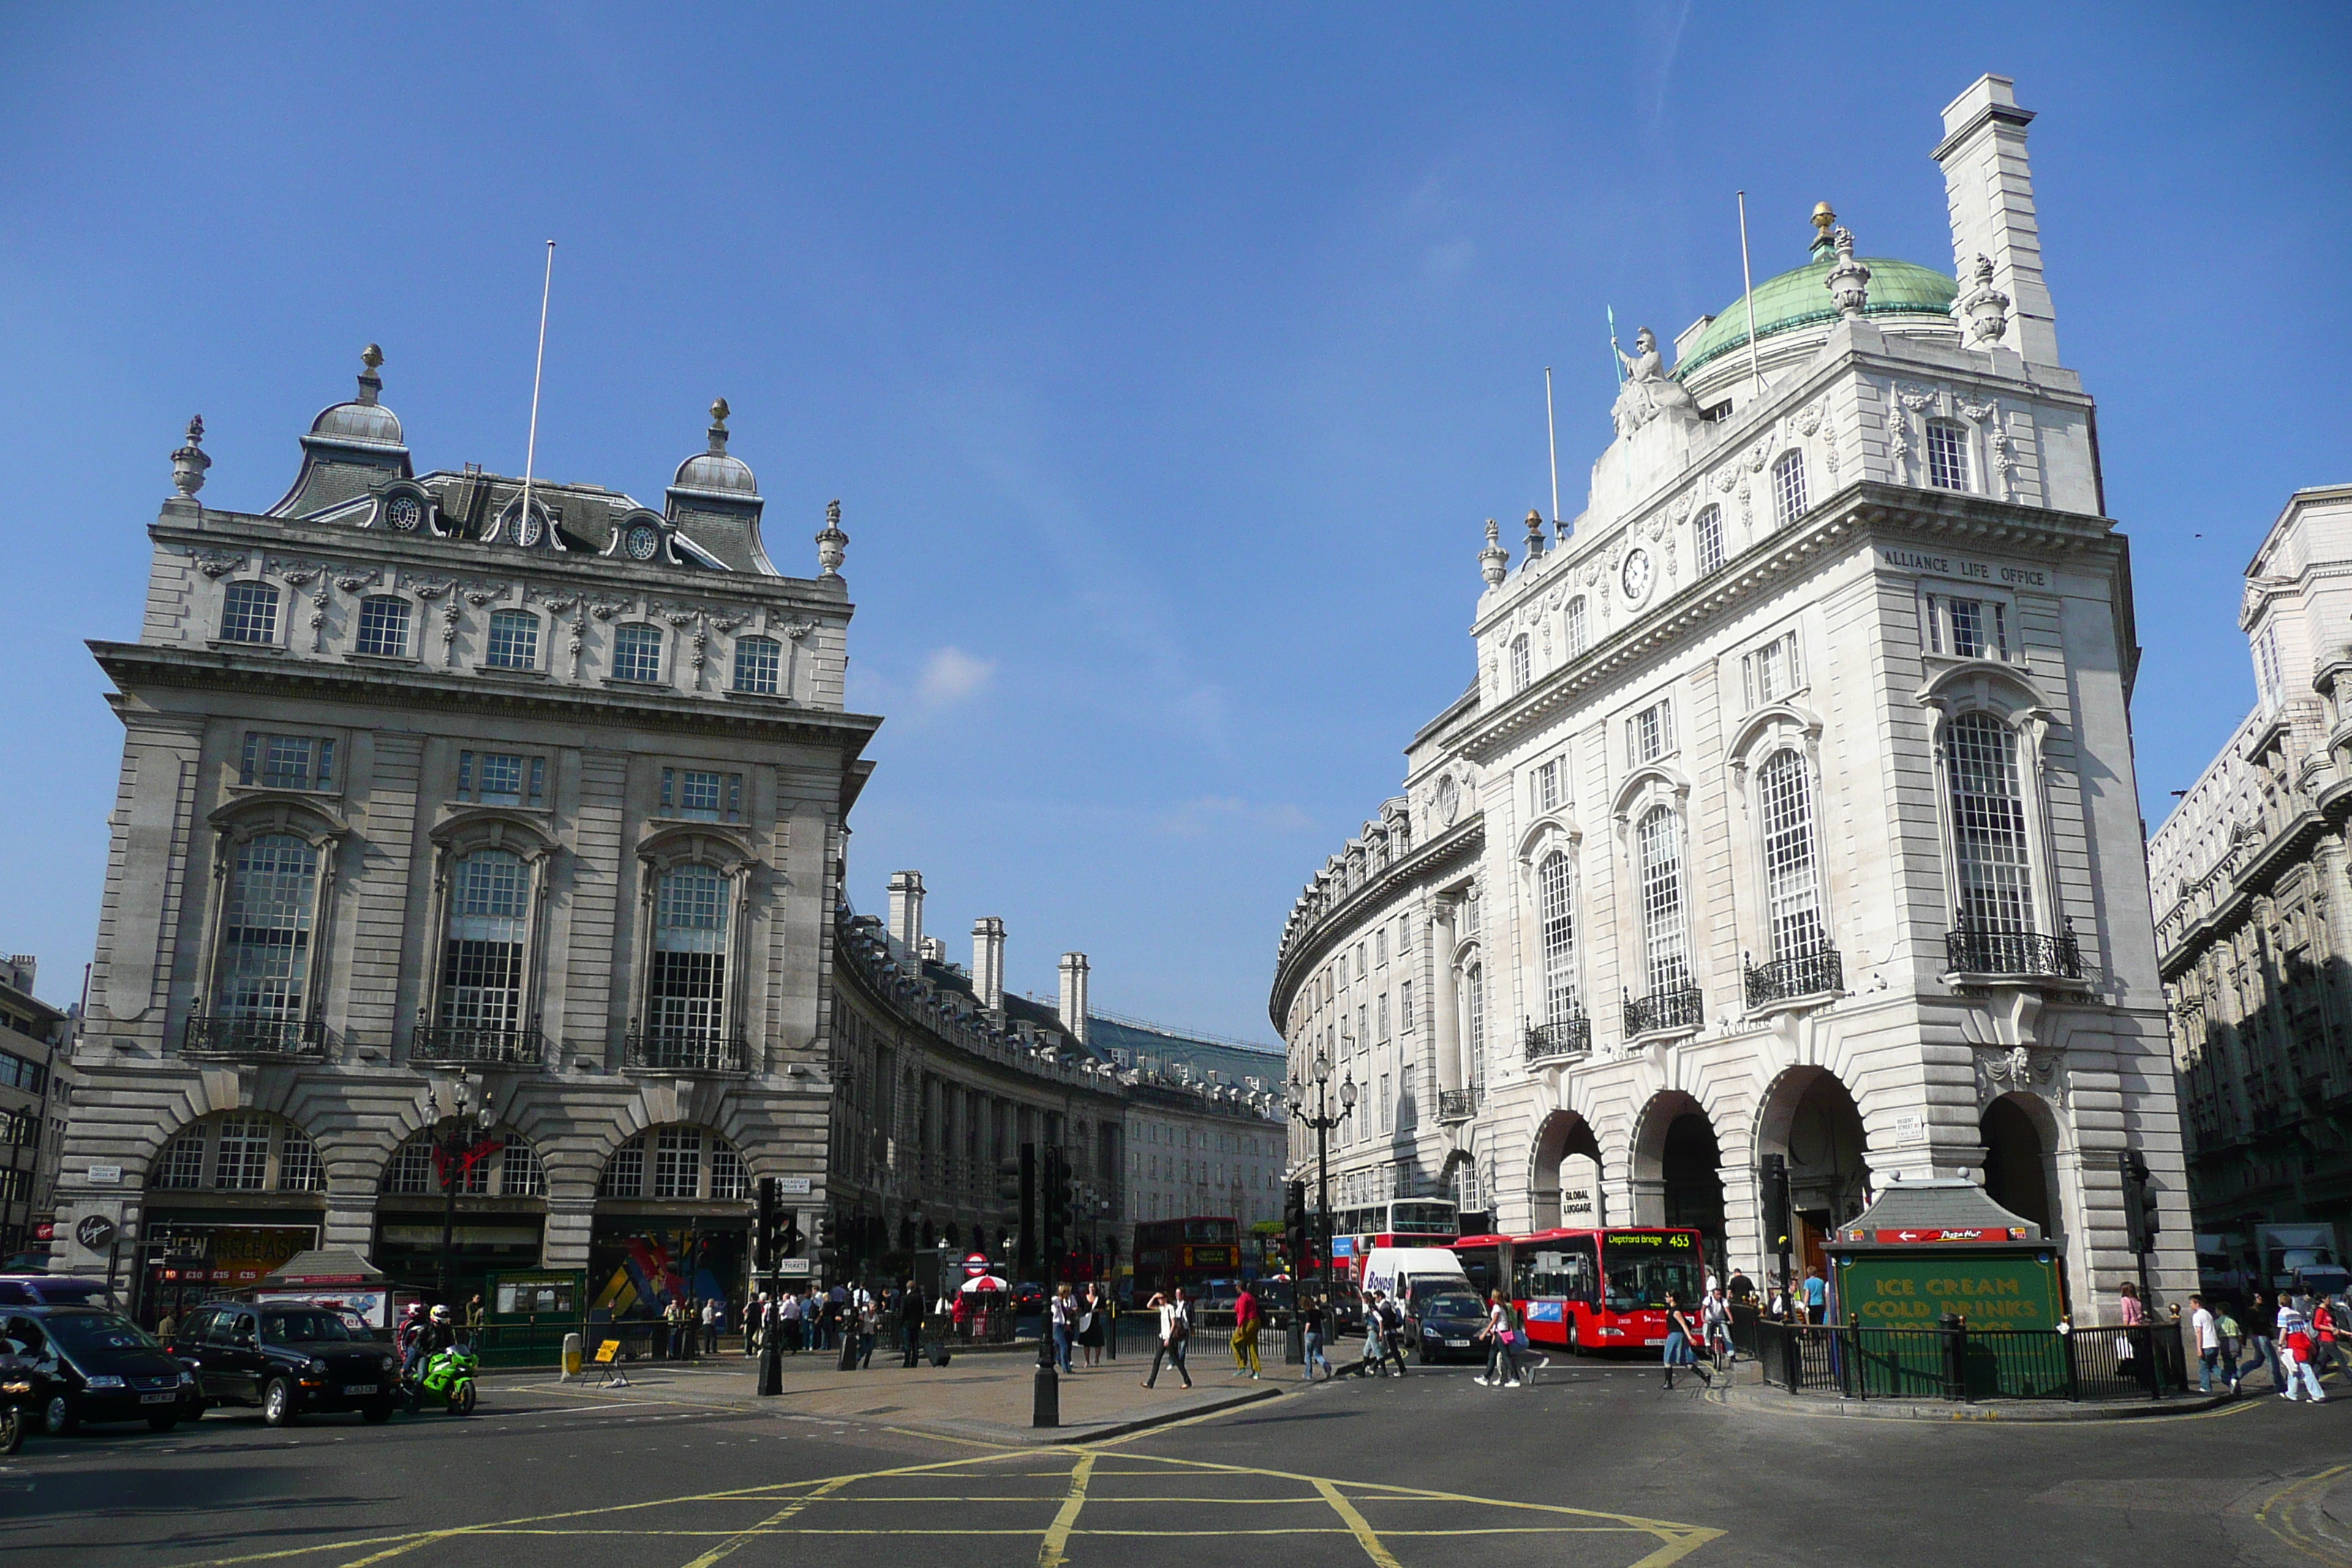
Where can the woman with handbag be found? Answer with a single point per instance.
(1175, 1329)
(2297, 1347)
(1682, 1334)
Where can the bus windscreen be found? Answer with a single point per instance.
(1422, 1219)
(1643, 1267)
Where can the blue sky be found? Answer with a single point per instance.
(1166, 362)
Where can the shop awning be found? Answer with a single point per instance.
(1945, 1211)
(323, 1265)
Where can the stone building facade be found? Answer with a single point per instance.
(439, 797)
(2253, 912)
(1791, 810)
(35, 1042)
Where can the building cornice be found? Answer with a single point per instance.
(1464, 841)
(134, 665)
(1863, 510)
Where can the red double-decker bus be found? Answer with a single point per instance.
(1590, 1289)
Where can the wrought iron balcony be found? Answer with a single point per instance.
(1671, 1007)
(1814, 972)
(1569, 1037)
(686, 1051)
(254, 1037)
(487, 1048)
(2014, 952)
(1456, 1104)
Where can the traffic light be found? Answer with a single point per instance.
(2141, 1226)
(1008, 1181)
(1776, 1203)
(828, 1242)
(763, 1236)
(1029, 1251)
(1294, 1224)
(1057, 1202)
(790, 1242)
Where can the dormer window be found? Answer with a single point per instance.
(249, 613)
(1948, 455)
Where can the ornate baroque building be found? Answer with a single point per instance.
(1792, 808)
(435, 798)
(2254, 913)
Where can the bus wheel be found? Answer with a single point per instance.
(1573, 1348)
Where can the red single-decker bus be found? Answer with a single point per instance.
(1592, 1290)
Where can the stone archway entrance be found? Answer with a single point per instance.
(1564, 1183)
(2018, 1163)
(1811, 1119)
(1677, 1170)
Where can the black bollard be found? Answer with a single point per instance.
(1046, 1405)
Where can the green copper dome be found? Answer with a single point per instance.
(1801, 299)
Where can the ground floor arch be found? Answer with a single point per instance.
(1564, 1180)
(1677, 1169)
(1810, 1120)
(2020, 1169)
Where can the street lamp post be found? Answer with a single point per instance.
(1322, 1122)
(453, 1133)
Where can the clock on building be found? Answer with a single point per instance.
(1636, 574)
(643, 542)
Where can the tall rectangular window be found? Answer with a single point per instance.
(481, 968)
(1577, 627)
(686, 995)
(1707, 535)
(637, 653)
(1522, 663)
(1544, 794)
(759, 661)
(265, 939)
(514, 641)
(1404, 1006)
(1789, 500)
(1988, 825)
(2266, 665)
(249, 613)
(1770, 673)
(1649, 734)
(1385, 1018)
(1665, 934)
(1948, 455)
(241, 1161)
(383, 627)
(1792, 888)
(1556, 889)
(677, 1162)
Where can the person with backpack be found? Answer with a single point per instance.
(1391, 1330)
(1175, 1329)
(2297, 1347)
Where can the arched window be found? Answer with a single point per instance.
(637, 653)
(512, 1169)
(1578, 634)
(1792, 884)
(686, 991)
(239, 1152)
(1554, 890)
(1708, 533)
(686, 1164)
(1666, 935)
(1789, 501)
(249, 613)
(759, 661)
(383, 627)
(1522, 663)
(1988, 838)
(264, 965)
(482, 958)
(1948, 455)
(514, 640)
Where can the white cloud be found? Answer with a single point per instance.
(951, 675)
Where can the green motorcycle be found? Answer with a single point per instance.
(448, 1380)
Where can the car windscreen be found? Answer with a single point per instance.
(80, 1333)
(304, 1327)
(70, 1292)
(1453, 1304)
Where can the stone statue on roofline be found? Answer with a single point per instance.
(1649, 392)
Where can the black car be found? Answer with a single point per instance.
(1448, 1325)
(89, 1365)
(290, 1359)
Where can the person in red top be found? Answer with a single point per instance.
(1245, 1323)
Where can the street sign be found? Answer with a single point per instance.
(94, 1231)
(105, 1175)
(793, 1267)
(792, 1186)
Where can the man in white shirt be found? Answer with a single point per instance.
(2209, 1343)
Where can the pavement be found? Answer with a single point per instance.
(1593, 1466)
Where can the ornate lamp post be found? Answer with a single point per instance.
(1322, 1122)
(457, 1130)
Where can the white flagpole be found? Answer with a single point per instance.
(530, 451)
(1552, 428)
(1748, 297)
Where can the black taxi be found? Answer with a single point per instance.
(290, 1358)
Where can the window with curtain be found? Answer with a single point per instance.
(1665, 934)
(1793, 885)
(686, 993)
(1988, 836)
(266, 936)
(1555, 894)
(482, 963)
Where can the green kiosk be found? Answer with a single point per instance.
(1963, 1276)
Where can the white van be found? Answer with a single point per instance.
(1407, 1273)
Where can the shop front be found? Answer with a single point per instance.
(488, 1236)
(192, 1256)
(643, 1257)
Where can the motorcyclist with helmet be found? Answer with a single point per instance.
(428, 1338)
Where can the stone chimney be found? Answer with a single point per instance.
(1991, 194)
(1074, 995)
(906, 910)
(988, 962)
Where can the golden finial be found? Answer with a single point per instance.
(371, 356)
(718, 411)
(1824, 218)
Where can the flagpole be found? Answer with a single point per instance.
(1552, 428)
(530, 450)
(1747, 298)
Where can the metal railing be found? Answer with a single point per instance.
(1456, 1104)
(684, 1050)
(2014, 952)
(1673, 1007)
(1815, 971)
(466, 1043)
(1959, 1362)
(1569, 1037)
(246, 1035)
